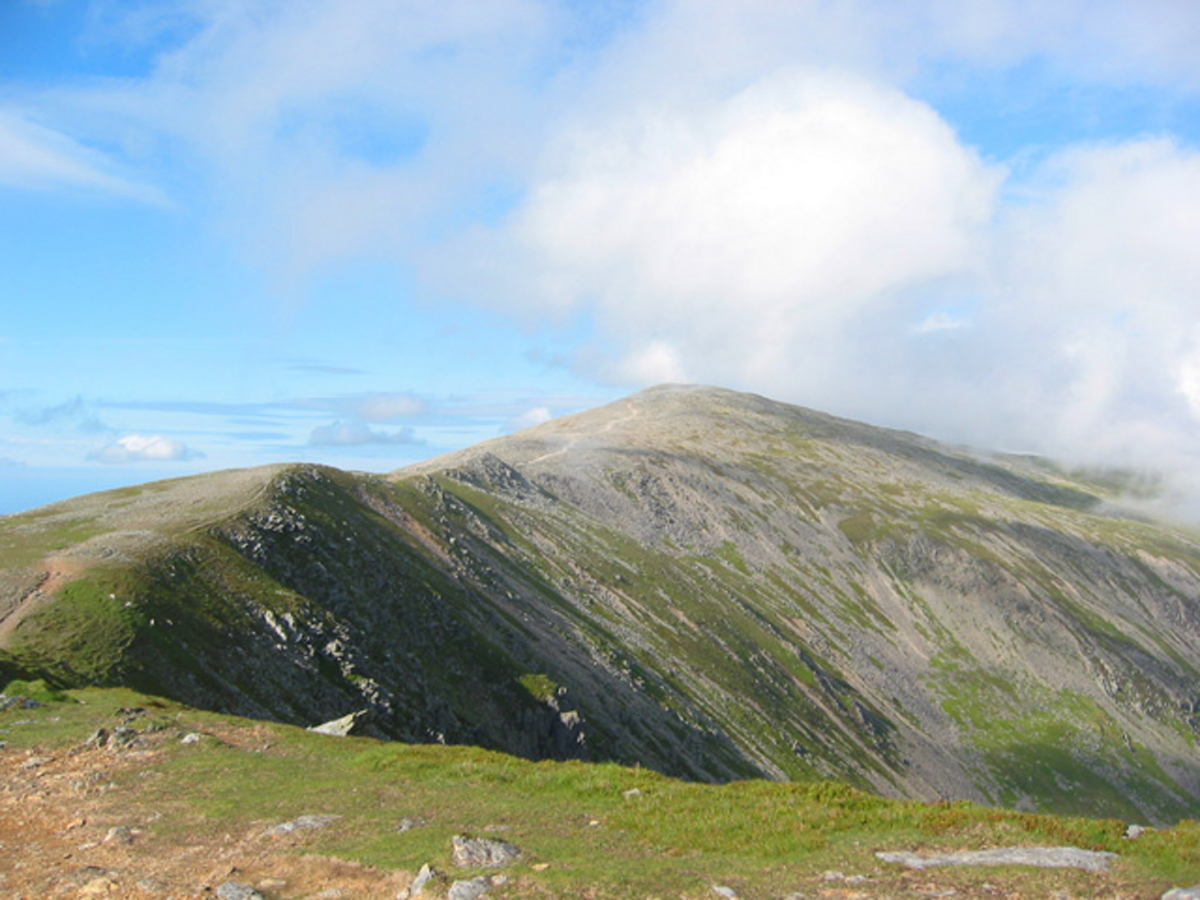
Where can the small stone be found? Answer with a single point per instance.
(721, 891)
(488, 852)
(540, 867)
(97, 738)
(98, 887)
(190, 738)
(1189, 893)
(121, 834)
(409, 823)
(231, 890)
(832, 875)
(632, 792)
(1133, 832)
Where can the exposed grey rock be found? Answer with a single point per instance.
(347, 725)
(1043, 857)
(721, 891)
(423, 877)
(300, 823)
(408, 823)
(18, 701)
(1190, 893)
(489, 852)
(469, 889)
(232, 890)
(1133, 832)
(122, 738)
(190, 738)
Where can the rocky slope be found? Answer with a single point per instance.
(702, 582)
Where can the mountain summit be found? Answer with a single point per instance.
(700, 581)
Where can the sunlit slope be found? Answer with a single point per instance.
(703, 582)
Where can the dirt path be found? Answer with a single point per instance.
(609, 426)
(60, 570)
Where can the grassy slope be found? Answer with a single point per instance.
(582, 832)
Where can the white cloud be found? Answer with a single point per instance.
(350, 434)
(741, 231)
(142, 448)
(1097, 297)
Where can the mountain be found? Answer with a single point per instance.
(706, 583)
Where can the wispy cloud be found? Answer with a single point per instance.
(531, 417)
(352, 434)
(316, 368)
(75, 413)
(35, 157)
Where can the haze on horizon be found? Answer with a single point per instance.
(235, 232)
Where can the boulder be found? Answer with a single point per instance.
(354, 723)
(487, 852)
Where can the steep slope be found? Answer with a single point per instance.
(708, 583)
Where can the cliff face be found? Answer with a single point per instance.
(703, 582)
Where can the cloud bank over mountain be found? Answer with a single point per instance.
(975, 220)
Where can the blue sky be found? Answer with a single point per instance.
(361, 233)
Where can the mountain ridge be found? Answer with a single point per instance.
(709, 583)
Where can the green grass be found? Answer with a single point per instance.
(596, 830)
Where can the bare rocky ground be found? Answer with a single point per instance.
(72, 827)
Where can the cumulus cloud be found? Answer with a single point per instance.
(735, 234)
(351, 434)
(1097, 288)
(144, 448)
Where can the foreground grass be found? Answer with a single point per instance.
(592, 830)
